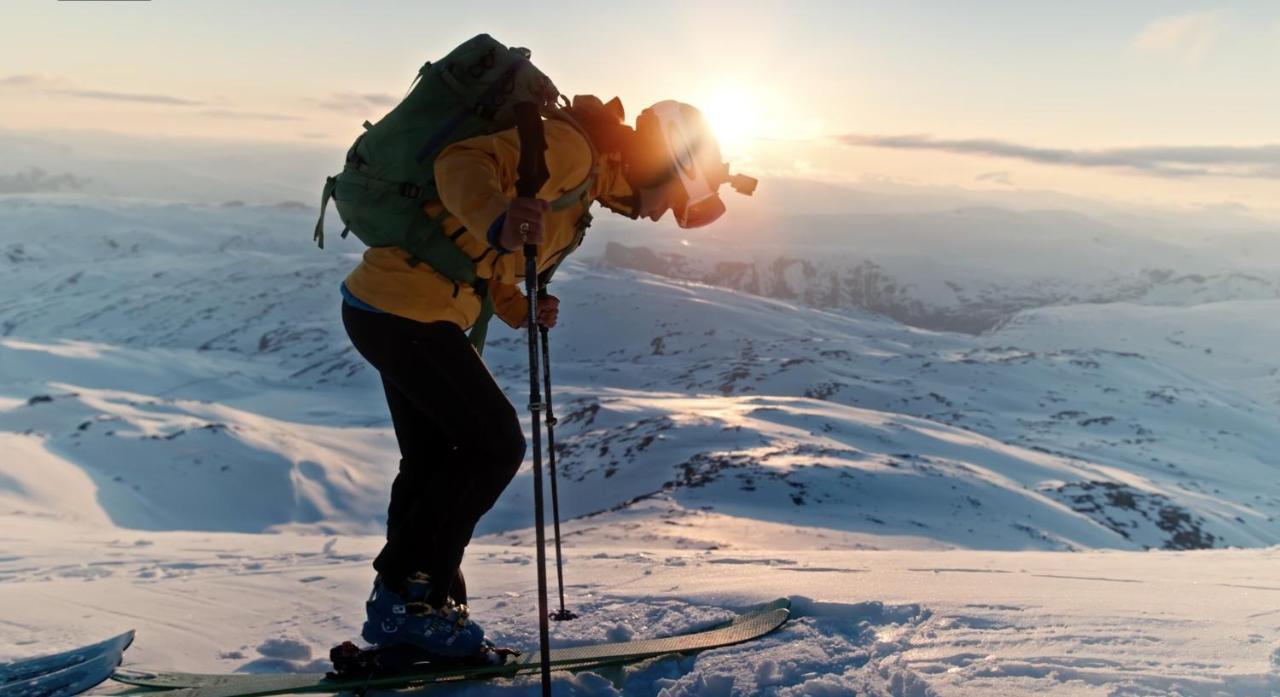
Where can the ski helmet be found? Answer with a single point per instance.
(674, 148)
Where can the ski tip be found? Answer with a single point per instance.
(123, 640)
(126, 635)
(119, 642)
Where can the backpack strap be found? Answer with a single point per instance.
(325, 195)
(582, 191)
(532, 170)
(580, 232)
(480, 329)
(578, 193)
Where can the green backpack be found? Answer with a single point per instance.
(479, 88)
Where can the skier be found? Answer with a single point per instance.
(460, 438)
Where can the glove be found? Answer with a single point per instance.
(548, 310)
(523, 223)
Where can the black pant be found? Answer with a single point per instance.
(460, 441)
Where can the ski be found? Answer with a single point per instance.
(66, 673)
(751, 625)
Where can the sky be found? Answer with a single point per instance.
(1163, 103)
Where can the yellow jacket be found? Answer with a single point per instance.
(476, 179)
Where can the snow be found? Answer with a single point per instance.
(1080, 501)
(961, 269)
(867, 622)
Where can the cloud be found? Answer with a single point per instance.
(1188, 36)
(30, 81)
(1231, 207)
(251, 115)
(1001, 177)
(58, 86)
(36, 180)
(126, 97)
(351, 102)
(1255, 162)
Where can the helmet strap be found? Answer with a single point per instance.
(623, 205)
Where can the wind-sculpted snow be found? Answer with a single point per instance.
(1167, 422)
(236, 280)
(814, 464)
(159, 464)
(190, 363)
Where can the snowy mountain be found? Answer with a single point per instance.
(174, 352)
(963, 269)
(174, 380)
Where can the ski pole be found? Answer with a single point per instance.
(561, 614)
(532, 174)
(535, 411)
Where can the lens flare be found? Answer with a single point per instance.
(735, 118)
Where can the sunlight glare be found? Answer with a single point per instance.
(735, 118)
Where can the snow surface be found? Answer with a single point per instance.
(189, 446)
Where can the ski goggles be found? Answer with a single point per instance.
(695, 202)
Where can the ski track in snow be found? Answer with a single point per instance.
(174, 383)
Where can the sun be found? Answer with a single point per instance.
(735, 117)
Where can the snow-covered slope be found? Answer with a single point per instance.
(174, 380)
(876, 623)
(185, 366)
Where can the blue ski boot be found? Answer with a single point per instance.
(445, 631)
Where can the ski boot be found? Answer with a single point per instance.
(437, 632)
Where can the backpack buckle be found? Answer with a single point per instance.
(410, 190)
